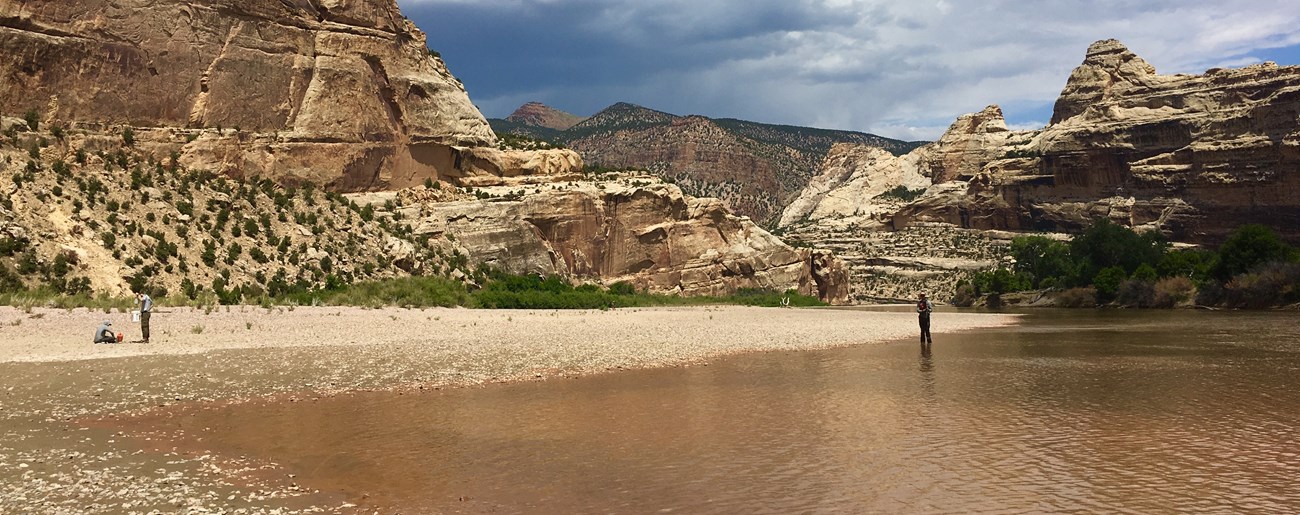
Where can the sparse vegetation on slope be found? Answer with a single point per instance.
(85, 217)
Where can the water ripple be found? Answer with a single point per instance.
(1079, 412)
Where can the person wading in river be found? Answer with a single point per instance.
(923, 310)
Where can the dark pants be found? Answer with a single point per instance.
(144, 326)
(104, 338)
(925, 330)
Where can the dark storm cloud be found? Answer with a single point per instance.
(903, 69)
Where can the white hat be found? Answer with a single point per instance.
(106, 322)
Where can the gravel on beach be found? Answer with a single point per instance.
(57, 389)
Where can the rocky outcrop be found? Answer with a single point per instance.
(492, 167)
(1194, 156)
(650, 235)
(851, 182)
(1109, 69)
(341, 92)
(969, 144)
(537, 114)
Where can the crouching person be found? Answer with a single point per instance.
(105, 333)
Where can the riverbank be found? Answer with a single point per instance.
(59, 452)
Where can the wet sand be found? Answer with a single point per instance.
(59, 394)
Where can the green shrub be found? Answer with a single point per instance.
(1041, 259)
(1000, 281)
(9, 281)
(233, 252)
(903, 193)
(1105, 244)
(1193, 264)
(622, 288)
(1145, 272)
(1107, 282)
(1248, 247)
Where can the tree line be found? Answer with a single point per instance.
(1110, 264)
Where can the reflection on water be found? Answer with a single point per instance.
(1097, 411)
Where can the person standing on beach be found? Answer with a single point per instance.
(146, 308)
(923, 310)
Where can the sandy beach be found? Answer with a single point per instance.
(59, 392)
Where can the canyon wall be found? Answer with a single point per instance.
(1193, 156)
(339, 92)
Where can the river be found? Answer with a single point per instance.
(1073, 410)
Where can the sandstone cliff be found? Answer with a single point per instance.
(339, 92)
(139, 101)
(851, 182)
(1191, 155)
(630, 229)
(1194, 156)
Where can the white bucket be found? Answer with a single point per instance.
(135, 317)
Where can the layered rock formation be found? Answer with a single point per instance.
(1193, 156)
(640, 231)
(850, 184)
(340, 92)
(756, 168)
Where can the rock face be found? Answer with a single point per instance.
(341, 92)
(756, 168)
(1192, 156)
(850, 184)
(538, 114)
(650, 235)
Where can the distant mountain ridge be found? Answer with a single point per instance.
(538, 114)
(757, 168)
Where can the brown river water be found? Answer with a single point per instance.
(1091, 411)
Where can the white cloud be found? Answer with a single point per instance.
(901, 69)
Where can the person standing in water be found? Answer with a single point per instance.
(923, 310)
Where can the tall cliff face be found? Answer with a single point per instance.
(1192, 155)
(345, 86)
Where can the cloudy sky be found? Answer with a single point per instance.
(903, 69)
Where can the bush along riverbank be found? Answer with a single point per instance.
(1111, 265)
(499, 291)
